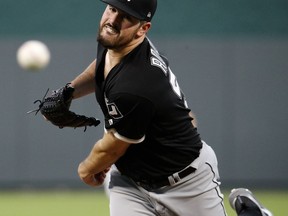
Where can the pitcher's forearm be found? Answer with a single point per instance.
(84, 84)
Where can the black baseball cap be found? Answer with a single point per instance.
(140, 9)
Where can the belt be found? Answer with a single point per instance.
(170, 180)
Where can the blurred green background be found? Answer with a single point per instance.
(74, 18)
(230, 58)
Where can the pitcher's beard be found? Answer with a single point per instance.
(116, 42)
(107, 43)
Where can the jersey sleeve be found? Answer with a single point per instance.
(129, 116)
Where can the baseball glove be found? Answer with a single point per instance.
(56, 110)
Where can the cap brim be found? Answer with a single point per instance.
(123, 7)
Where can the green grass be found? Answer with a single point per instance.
(56, 203)
(75, 203)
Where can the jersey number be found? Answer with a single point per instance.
(174, 84)
(155, 61)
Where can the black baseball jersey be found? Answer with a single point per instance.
(143, 104)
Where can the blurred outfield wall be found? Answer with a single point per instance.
(230, 58)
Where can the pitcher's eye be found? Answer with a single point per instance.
(112, 9)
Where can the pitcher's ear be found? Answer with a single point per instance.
(144, 28)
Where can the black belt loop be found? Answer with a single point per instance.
(171, 180)
(186, 172)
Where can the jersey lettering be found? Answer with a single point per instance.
(156, 54)
(157, 61)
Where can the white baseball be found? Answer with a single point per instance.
(33, 55)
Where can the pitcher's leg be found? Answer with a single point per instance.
(126, 198)
(209, 203)
(209, 199)
(197, 194)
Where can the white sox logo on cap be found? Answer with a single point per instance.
(149, 13)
